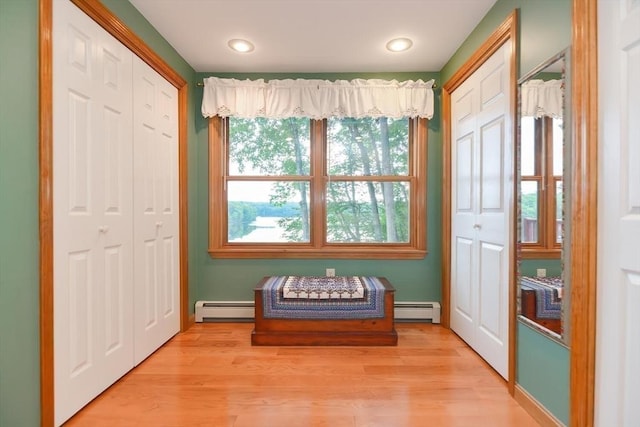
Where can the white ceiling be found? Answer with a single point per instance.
(314, 35)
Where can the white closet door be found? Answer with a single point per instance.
(482, 187)
(156, 232)
(93, 247)
(618, 337)
(463, 208)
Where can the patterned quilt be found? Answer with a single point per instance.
(310, 287)
(309, 297)
(548, 295)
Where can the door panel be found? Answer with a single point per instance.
(115, 291)
(492, 84)
(464, 267)
(150, 300)
(92, 209)
(116, 169)
(482, 180)
(618, 299)
(492, 343)
(169, 275)
(631, 284)
(79, 148)
(156, 210)
(492, 170)
(464, 179)
(80, 321)
(492, 262)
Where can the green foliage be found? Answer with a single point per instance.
(559, 202)
(270, 147)
(357, 211)
(351, 219)
(293, 229)
(529, 205)
(240, 215)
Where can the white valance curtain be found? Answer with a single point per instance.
(317, 99)
(542, 98)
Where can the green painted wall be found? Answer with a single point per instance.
(19, 241)
(544, 30)
(19, 339)
(415, 280)
(528, 267)
(543, 370)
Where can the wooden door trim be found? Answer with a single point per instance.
(535, 408)
(506, 31)
(107, 20)
(584, 183)
(45, 201)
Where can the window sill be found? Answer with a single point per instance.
(313, 253)
(540, 254)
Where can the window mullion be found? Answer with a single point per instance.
(418, 149)
(540, 175)
(553, 244)
(550, 192)
(217, 178)
(318, 182)
(539, 147)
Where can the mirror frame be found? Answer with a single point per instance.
(565, 255)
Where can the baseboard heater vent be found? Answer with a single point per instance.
(417, 312)
(224, 311)
(243, 311)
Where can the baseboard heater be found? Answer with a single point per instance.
(417, 311)
(243, 311)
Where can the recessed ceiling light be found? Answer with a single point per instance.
(399, 45)
(240, 45)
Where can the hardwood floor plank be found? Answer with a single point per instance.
(210, 375)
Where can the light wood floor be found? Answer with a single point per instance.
(212, 376)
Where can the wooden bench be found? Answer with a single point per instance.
(528, 308)
(352, 332)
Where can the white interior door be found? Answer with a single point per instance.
(156, 235)
(482, 199)
(93, 246)
(618, 340)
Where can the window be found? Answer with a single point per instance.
(300, 188)
(541, 187)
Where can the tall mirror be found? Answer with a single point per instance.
(543, 165)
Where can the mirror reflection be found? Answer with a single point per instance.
(542, 162)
